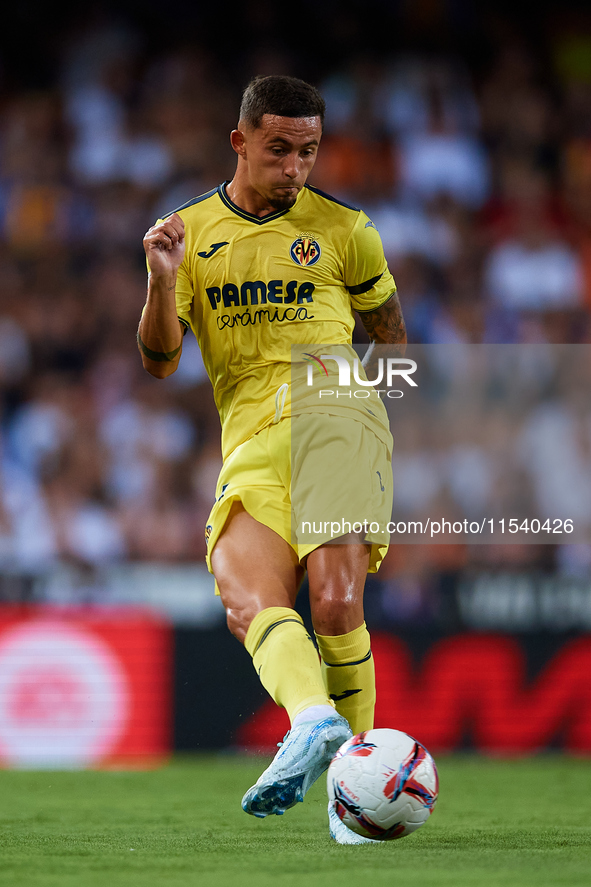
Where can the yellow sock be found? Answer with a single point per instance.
(349, 675)
(286, 660)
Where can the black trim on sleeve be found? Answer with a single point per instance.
(185, 325)
(377, 307)
(363, 287)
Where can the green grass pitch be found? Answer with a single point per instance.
(508, 823)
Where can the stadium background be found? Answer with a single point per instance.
(464, 130)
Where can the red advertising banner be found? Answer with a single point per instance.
(84, 688)
(470, 686)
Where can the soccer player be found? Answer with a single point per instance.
(252, 267)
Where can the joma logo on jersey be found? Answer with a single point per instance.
(305, 251)
(257, 292)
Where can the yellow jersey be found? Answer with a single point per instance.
(249, 288)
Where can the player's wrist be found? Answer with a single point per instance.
(164, 281)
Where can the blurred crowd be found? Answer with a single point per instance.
(480, 187)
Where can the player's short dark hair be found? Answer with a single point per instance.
(282, 96)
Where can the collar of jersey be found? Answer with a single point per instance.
(250, 217)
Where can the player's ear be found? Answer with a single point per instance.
(238, 141)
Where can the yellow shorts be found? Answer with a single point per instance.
(311, 478)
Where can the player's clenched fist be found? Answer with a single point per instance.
(165, 245)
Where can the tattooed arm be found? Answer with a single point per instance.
(384, 326)
(160, 333)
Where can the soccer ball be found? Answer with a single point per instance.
(383, 784)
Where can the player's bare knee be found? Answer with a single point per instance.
(336, 611)
(238, 618)
(330, 596)
(238, 621)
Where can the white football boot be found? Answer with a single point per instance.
(303, 756)
(343, 835)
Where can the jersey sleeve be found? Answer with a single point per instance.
(183, 291)
(367, 276)
(184, 295)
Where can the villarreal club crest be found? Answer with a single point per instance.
(305, 250)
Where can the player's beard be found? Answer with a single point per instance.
(282, 201)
